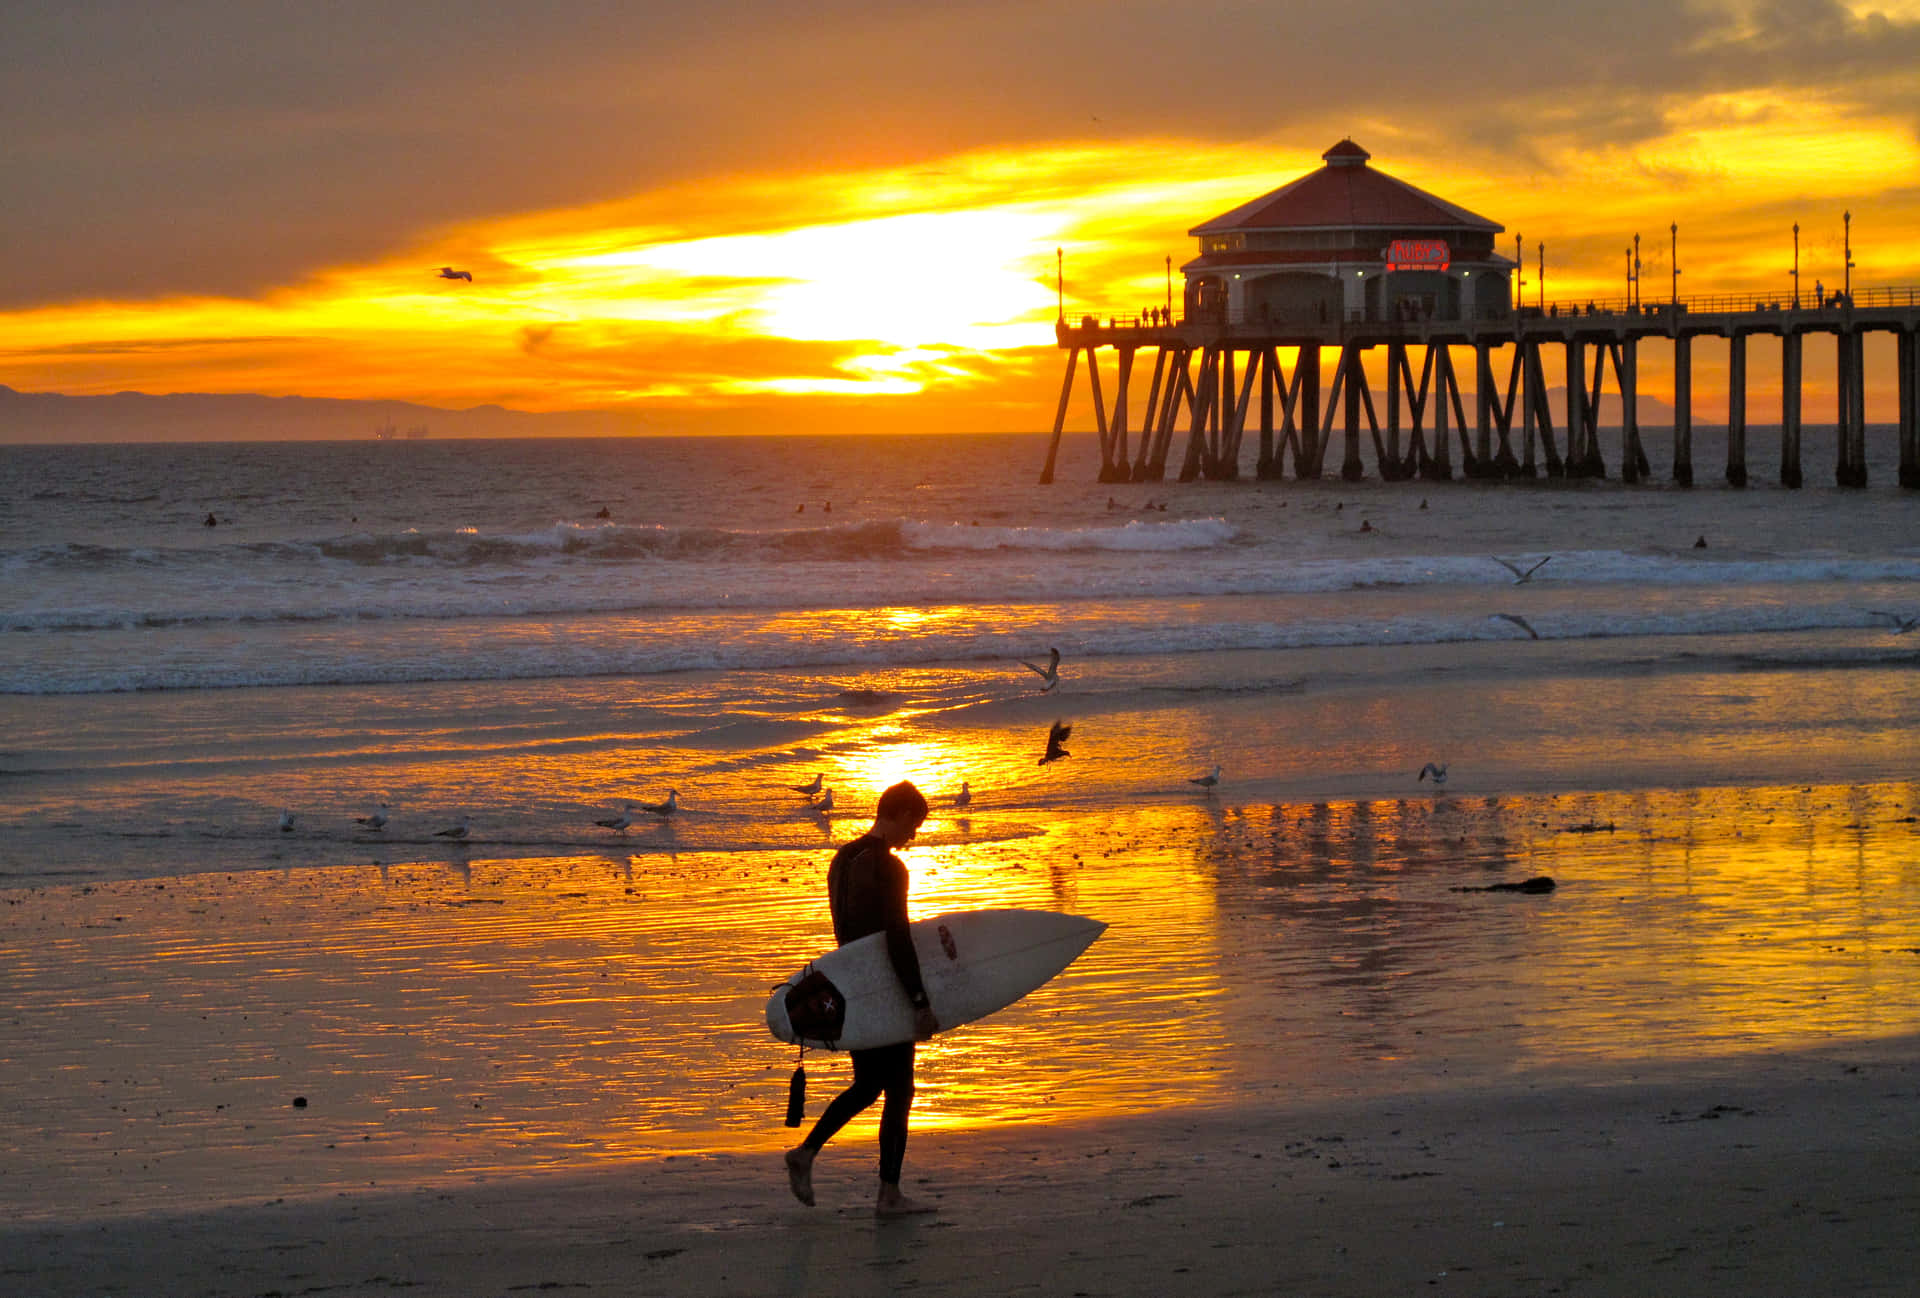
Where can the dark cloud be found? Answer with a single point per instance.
(229, 146)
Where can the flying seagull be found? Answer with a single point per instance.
(1901, 625)
(453, 831)
(1050, 673)
(1520, 622)
(286, 820)
(1207, 781)
(1437, 770)
(810, 788)
(619, 822)
(448, 272)
(664, 809)
(1057, 736)
(378, 820)
(965, 796)
(1520, 575)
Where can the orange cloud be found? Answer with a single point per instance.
(935, 283)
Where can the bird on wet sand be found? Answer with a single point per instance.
(619, 822)
(1058, 735)
(1438, 770)
(376, 821)
(1050, 673)
(663, 809)
(453, 831)
(826, 801)
(810, 788)
(965, 796)
(1207, 781)
(286, 820)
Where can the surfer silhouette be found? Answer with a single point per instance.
(867, 893)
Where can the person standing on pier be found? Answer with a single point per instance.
(867, 893)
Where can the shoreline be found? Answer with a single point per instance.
(1789, 1173)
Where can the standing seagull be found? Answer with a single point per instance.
(1520, 622)
(458, 831)
(826, 802)
(965, 796)
(619, 822)
(1050, 673)
(377, 821)
(1520, 575)
(664, 809)
(1437, 770)
(286, 820)
(1207, 781)
(1901, 625)
(810, 788)
(1057, 736)
(448, 272)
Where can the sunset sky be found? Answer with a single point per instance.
(786, 217)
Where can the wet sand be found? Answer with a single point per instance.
(1301, 1061)
(1779, 1174)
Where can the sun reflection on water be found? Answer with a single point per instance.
(468, 1016)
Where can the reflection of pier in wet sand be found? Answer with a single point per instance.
(1303, 271)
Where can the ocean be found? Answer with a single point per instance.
(1699, 713)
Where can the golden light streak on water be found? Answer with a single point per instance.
(458, 1018)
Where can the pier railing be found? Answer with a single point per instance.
(1835, 302)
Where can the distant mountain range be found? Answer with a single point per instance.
(196, 417)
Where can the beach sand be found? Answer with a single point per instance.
(1782, 1174)
(1301, 1061)
(1691, 1069)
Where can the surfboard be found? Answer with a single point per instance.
(972, 962)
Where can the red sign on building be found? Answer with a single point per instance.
(1418, 254)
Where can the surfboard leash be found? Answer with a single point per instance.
(797, 1090)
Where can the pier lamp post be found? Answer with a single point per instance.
(1169, 290)
(1673, 255)
(1519, 272)
(1846, 240)
(1629, 256)
(1060, 282)
(1636, 269)
(1796, 265)
(1541, 250)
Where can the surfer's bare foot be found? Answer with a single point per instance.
(892, 1203)
(800, 1174)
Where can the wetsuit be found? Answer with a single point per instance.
(867, 891)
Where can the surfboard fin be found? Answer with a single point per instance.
(797, 1094)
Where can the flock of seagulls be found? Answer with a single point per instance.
(820, 798)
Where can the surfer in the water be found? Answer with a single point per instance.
(867, 892)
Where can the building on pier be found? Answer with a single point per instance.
(1293, 291)
(1347, 242)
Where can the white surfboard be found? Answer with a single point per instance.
(972, 962)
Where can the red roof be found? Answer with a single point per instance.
(1346, 194)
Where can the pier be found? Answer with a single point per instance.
(1347, 261)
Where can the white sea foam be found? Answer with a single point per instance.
(492, 565)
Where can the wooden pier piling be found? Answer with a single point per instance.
(1218, 378)
(1737, 410)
